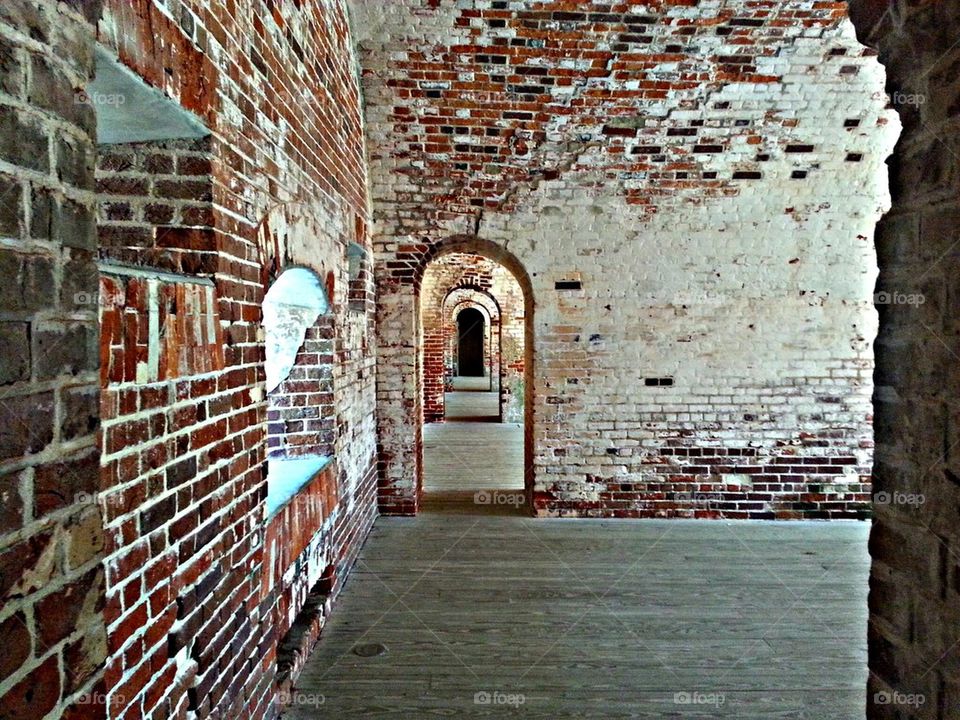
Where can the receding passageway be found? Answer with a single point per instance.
(501, 617)
(471, 452)
(472, 400)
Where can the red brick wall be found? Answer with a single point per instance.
(194, 619)
(297, 572)
(156, 205)
(692, 192)
(300, 417)
(51, 532)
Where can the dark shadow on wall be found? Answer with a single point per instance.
(471, 328)
(912, 640)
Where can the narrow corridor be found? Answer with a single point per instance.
(471, 452)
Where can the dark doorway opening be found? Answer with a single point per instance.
(470, 341)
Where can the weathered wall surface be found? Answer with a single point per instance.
(692, 190)
(198, 596)
(51, 533)
(156, 205)
(914, 659)
(300, 412)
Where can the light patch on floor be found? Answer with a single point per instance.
(472, 399)
(472, 456)
(480, 454)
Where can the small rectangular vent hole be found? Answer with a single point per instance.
(658, 381)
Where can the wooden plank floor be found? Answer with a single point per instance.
(464, 382)
(472, 405)
(472, 456)
(461, 457)
(596, 619)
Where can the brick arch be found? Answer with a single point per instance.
(466, 302)
(471, 305)
(324, 279)
(439, 280)
(494, 318)
(473, 288)
(491, 316)
(472, 245)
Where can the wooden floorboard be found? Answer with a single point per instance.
(472, 406)
(596, 619)
(472, 456)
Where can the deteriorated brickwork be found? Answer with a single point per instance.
(692, 190)
(155, 205)
(198, 596)
(679, 102)
(156, 329)
(915, 543)
(300, 417)
(299, 572)
(51, 533)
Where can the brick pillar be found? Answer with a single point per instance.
(915, 545)
(399, 393)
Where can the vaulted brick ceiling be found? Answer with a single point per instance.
(476, 103)
(458, 270)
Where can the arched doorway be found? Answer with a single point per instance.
(471, 343)
(300, 425)
(473, 454)
(472, 297)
